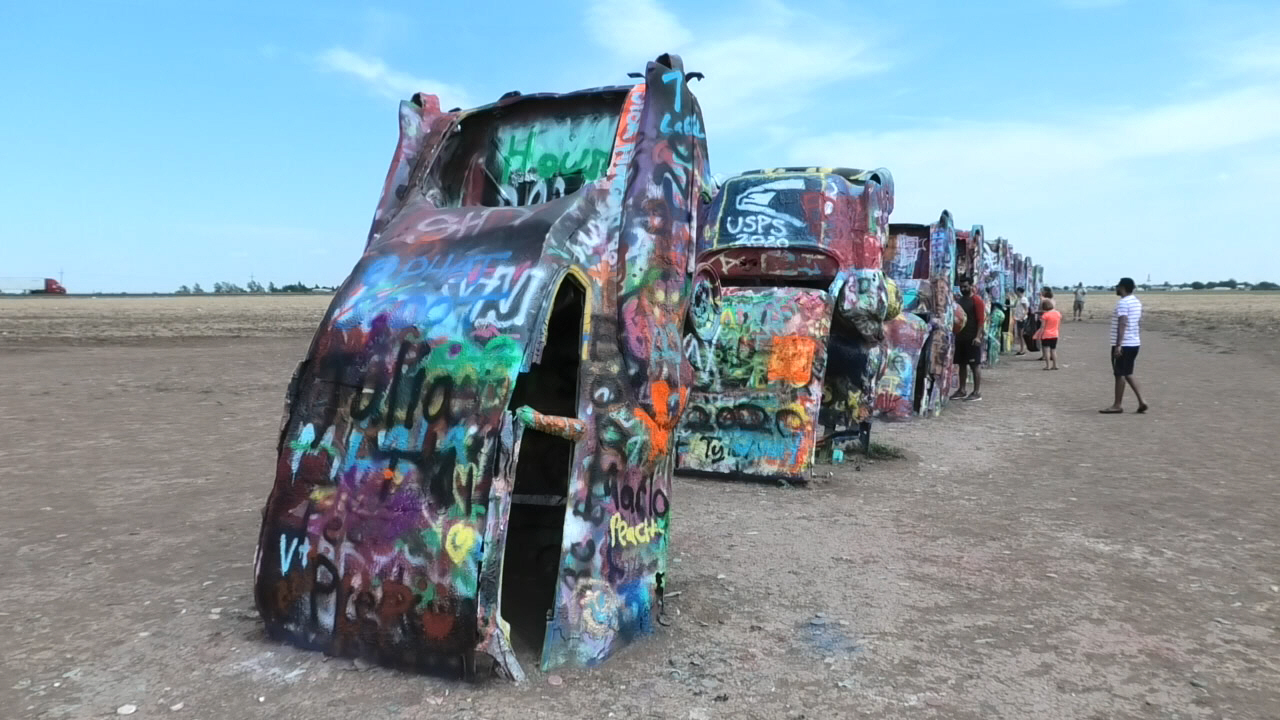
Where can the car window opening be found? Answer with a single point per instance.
(528, 152)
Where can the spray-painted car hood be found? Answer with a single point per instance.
(400, 460)
(395, 356)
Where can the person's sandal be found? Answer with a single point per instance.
(1111, 411)
(1143, 408)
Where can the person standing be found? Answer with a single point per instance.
(968, 353)
(1125, 341)
(1077, 307)
(1021, 309)
(1051, 321)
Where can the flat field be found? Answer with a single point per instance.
(1227, 320)
(1030, 558)
(134, 318)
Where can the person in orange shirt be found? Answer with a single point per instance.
(1050, 321)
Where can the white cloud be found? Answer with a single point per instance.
(389, 83)
(1259, 54)
(1091, 4)
(1115, 191)
(1033, 151)
(763, 62)
(632, 29)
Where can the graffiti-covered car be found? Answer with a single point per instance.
(790, 306)
(475, 459)
(905, 334)
(919, 258)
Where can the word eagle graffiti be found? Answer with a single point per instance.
(475, 459)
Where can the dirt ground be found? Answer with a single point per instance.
(1029, 559)
(1227, 321)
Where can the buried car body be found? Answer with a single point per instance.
(475, 458)
(920, 258)
(789, 309)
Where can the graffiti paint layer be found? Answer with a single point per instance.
(801, 304)
(504, 359)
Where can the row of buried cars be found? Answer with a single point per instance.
(556, 310)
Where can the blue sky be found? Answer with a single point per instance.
(147, 144)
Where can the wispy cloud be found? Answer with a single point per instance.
(1142, 174)
(631, 29)
(1017, 152)
(766, 61)
(1257, 54)
(385, 81)
(1091, 4)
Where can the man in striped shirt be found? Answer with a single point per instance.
(1125, 341)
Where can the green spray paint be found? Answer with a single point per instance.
(550, 148)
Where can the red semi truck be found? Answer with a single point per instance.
(31, 286)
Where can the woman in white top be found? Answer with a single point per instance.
(1020, 311)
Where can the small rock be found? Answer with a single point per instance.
(555, 680)
(818, 621)
(127, 709)
(1197, 682)
(708, 683)
(1220, 621)
(1275, 588)
(261, 699)
(721, 576)
(178, 706)
(723, 697)
(844, 623)
(361, 664)
(821, 614)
